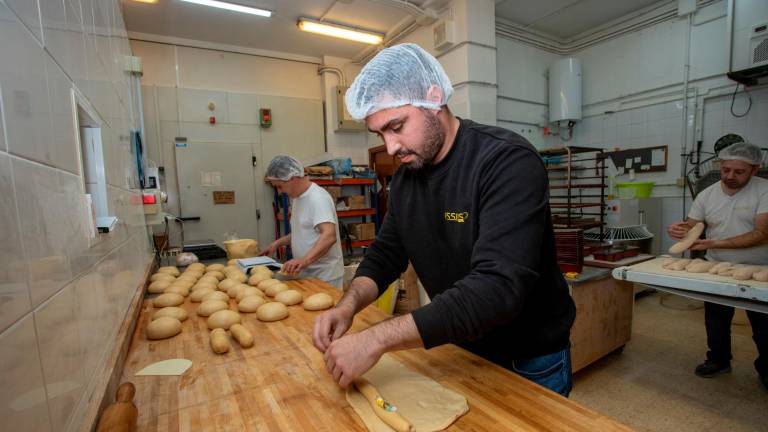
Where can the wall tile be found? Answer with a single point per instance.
(14, 294)
(54, 22)
(23, 405)
(29, 13)
(63, 152)
(44, 232)
(59, 342)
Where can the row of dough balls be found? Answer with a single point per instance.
(720, 268)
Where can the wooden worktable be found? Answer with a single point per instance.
(280, 384)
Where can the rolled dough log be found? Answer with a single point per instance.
(165, 300)
(380, 407)
(719, 266)
(700, 266)
(679, 265)
(761, 276)
(250, 304)
(198, 294)
(162, 276)
(170, 270)
(247, 292)
(171, 311)
(273, 311)
(273, 289)
(216, 295)
(158, 286)
(223, 319)
(692, 235)
(214, 267)
(163, 327)
(744, 273)
(242, 335)
(426, 404)
(207, 308)
(219, 341)
(319, 301)
(289, 297)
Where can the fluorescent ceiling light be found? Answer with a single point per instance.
(340, 32)
(232, 7)
(146, 1)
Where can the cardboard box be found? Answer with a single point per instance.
(335, 192)
(355, 201)
(363, 231)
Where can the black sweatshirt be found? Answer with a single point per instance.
(478, 231)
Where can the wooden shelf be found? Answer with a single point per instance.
(344, 181)
(357, 212)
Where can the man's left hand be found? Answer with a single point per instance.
(703, 244)
(294, 266)
(351, 356)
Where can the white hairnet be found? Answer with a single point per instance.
(745, 152)
(397, 76)
(284, 168)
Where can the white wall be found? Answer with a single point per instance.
(62, 295)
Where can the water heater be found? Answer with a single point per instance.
(565, 90)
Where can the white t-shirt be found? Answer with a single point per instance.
(313, 207)
(728, 216)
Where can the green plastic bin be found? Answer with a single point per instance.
(634, 189)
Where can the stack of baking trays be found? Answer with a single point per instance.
(569, 244)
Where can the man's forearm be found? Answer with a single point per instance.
(395, 334)
(362, 292)
(321, 247)
(283, 241)
(746, 240)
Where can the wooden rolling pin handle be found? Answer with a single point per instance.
(392, 419)
(122, 415)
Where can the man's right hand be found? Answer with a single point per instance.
(678, 230)
(270, 250)
(331, 325)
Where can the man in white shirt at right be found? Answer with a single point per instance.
(735, 211)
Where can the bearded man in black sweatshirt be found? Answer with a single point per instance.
(469, 208)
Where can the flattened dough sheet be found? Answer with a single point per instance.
(424, 402)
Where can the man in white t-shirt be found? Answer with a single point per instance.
(314, 236)
(735, 211)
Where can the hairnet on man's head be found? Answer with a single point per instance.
(745, 152)
(399, 75)
(284, 168)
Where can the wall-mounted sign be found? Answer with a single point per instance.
(223, 197)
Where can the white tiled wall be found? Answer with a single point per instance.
(62, 294)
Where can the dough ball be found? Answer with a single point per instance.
(266, 283)
(249, 291)
(289, 297)
(209, 307)
(226, 284)
(232, 262)
(236, 289)
(273, 311)
(175, 289)
(231, 268)
(214, 267)
(204, 285)
(190, 276)
(273, 289)
(257, 277)
(162, 276)
(219, 341)
(163, 327)
(215, 273)
(319, 301)
(198, 294)
(170, 299)
(158, 286)
(216, 295)
(250, 304)
(170, 270)
(209, 280)
(238, 276)
(197, 267)
(183, 283)
(171, 311)
(242, 335)
(223, 319)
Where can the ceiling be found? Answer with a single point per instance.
(176, 19)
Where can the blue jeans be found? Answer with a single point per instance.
(552, 371)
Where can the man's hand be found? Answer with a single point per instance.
(351, 356)
(331, 325)
(703, 244)
(678, 230)
(294, 266)
(270, 250)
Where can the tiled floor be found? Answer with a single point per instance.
(651, 385)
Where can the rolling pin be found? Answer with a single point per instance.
(120, 416)
(380, 407)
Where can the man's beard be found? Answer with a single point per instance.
(433, 138)
(735, 184)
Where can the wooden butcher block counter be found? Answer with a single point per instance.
(281, 384)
